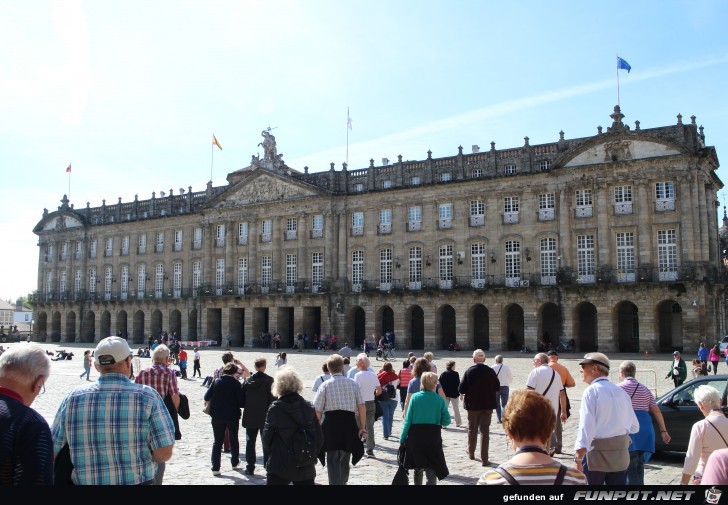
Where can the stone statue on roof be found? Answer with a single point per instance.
(269, 145)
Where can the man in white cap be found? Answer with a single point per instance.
(116, 430)
(606, 419)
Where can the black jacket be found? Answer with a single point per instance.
(227, 398)
(424, 449)
(258, 397)
(479, 385)
(450, 381)
(285, 415)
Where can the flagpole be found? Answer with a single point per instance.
(617, 65)
(212, 155)
(347, 136)
(69, 183)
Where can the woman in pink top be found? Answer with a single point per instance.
(404, 376)
(706, 436)
(714, 358)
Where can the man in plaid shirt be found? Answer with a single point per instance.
(116, 431)
(162, 378)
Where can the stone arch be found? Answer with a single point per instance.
(192, 324)
(175, 323)
(88, 327)
(549, 324)
(41, 326)
(585, 326)
(479, 324)
(105, 324)
(121, 324)
(156, 323)
(515, 327)
(668, 315)
(56, 327)
(384, 320)
(138, 327)
(626, 325)
(71, 327)
(445, 332)
(415, 327)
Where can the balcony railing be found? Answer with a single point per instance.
(357, 231)
(196, 244)
(545, 214)
(291, 234)
(664, 205)
(242, 240)
(584, 211)
(158, 248)
(444, 224)
(317, 233)
(220, 242)
(177, 247)
(265, 237)
(623, 208)
(477, 220)
(414, 225)
(385, 228)
(510, 217)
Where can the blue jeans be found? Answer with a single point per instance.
(251, 436)
(388, 408)
(636, 469)
(337, 466)
(501, 399)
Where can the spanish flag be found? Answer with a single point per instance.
(68, 169)
(215, 142)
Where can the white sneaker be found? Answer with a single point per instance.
(216, 472)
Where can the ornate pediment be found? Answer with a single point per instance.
(59, 221)
(264, 187)
(620, 150)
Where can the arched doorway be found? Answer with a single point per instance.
(71, 327)
(628, 327)
(445, 326)
(41, 326)
(56, 327)
(358, 330)
(121, 325)
(416, 327)
(550, 325)
(138, 328)
(514, 328)
(175, 323)
(105, 324)
(88, 327)
(586, 328)
(156, 323)
(669, 326)
(192, 325)
(479, 328)
(385, 316)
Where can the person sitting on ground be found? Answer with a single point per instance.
(531, 464)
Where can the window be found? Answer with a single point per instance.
(357, 224)
(291, 273)
(77, 281)
(178, 240)
(478, 264)
(584, 206)
(92, 280)
(49, 284)
(667, 255)
(625, 257)
(444, 213)
(109, 247)
(477, 213)
(125, 245)
(445, 266)
(159, 280)
(64, 251)
(91, 250)
(385, 269)
(445, 177)
(317, 226)
(197, 238)
(242, 275)
(219, 275)
(386, 184)
(242, 233)
(510, 209)
(357, 270)
(546, 206)
(547, 248)
(664, 196)
(623, 200)
(62, 284)
(585, 259)
(544, 165)
(196, 275)
(414, 219)
(476, 173)
(291, 228)
(141, 280)
(415, 180)
(124, 282)
(509, 169)
(359, 187)
(317, 271)
(177, 279)
(220, 235)
(385, 221)
(108, 280)
(159, 247)
(142, 245)
(415, 268)
(79, 250)
(49, 252)
(265, 273)
(265, 230)
(513, 263)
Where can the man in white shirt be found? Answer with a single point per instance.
(544, 379)
(504, 376)
(345, 351)
(369, 388)
(606, 419)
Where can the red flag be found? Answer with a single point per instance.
(68, 170)
(215, 142)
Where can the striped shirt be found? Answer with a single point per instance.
(533, 474)
(642, 398)
(405, 375)
(112, 426)
(160, 378)
(338, 393)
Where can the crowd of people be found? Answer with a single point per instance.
(135, 422)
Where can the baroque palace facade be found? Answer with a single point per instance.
(610, 240)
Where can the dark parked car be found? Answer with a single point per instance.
(680, 411)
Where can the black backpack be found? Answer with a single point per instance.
(389, 392)
(303, 447)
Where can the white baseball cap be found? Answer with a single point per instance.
(111, 350)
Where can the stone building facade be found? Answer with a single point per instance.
(610, 240)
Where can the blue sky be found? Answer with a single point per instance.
(131, 92)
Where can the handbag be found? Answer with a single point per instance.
(184, 407)
(401, 477)
(208, 406)
(63, 467)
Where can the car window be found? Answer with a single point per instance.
(686, 396)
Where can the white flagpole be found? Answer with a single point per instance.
(212, 155)
(618, 103)
(69, 183)
(347, 136)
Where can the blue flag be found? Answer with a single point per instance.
(623, 65)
